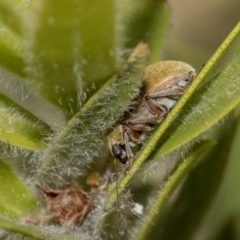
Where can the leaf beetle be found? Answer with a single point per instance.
(163, 84)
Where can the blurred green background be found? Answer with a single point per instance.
(198, 28)
(196, 31)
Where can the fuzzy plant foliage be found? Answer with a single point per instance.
(68, 72)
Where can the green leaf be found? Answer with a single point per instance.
(81, 138)
(158, 206)
(11, 52)
(12, 15)
(15, 198)
(20, 128)
(199, 188)
(12, 22)
(26, 231)
(69, 46)
(147, 20)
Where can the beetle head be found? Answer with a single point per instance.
(116, 144)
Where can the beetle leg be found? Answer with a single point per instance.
(155, 107)
(141, 127)
(143, 124)
(166, 93)
(128, 150)
(133, 134)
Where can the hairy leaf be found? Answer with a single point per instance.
(12, 15)
(20, 128)
(11, 52)
(68, 46)
(13, 227)
(81, 139)
(15, 198)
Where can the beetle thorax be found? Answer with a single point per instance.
(115, 137)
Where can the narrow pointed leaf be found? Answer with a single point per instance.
(12, 15)
(19, 128)
(11, 52)
(15, 198)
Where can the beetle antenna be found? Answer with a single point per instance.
(120, 220)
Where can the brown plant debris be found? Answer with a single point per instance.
(68, 207)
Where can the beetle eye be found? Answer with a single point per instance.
(116, 151)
